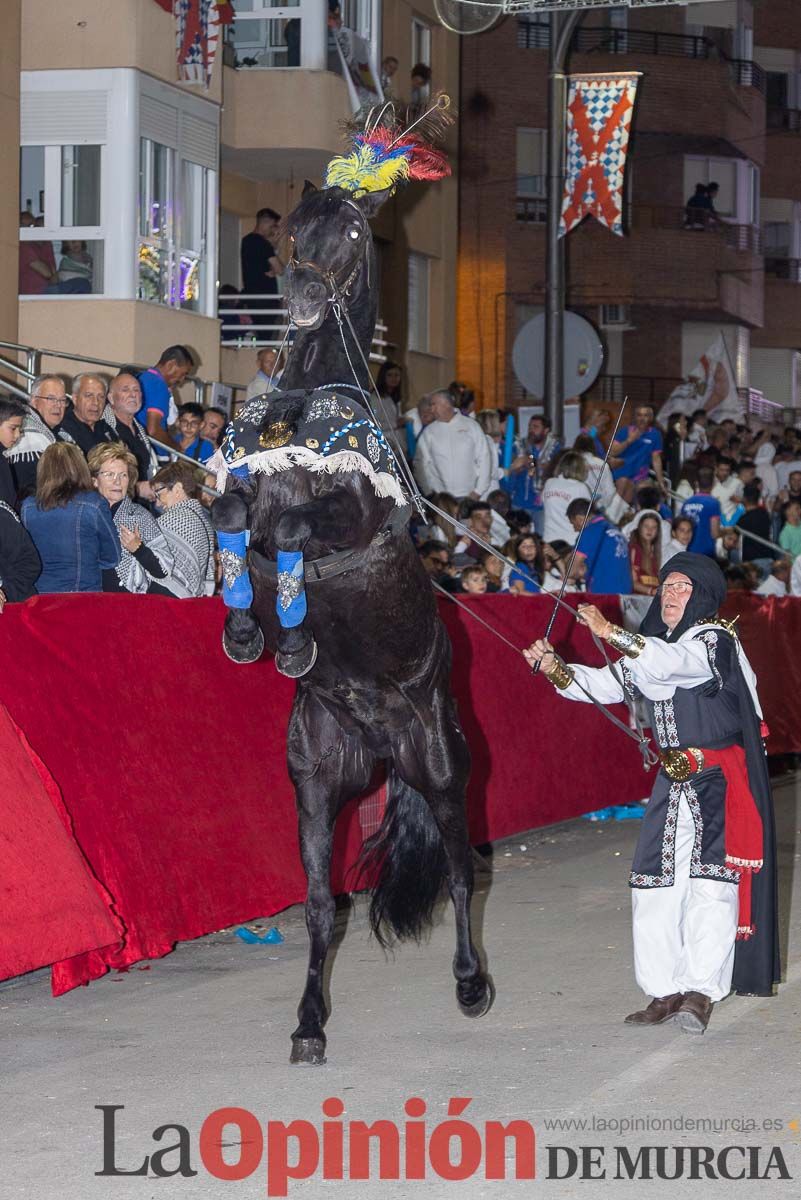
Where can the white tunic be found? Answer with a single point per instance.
(453, 456)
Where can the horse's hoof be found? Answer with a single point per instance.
(481, 1006)
(244, 652)
(299, 662)
(308, 1052)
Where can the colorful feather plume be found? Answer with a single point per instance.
(388, 151)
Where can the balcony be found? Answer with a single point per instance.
(254, 322)
(716, 270)
(285, 92)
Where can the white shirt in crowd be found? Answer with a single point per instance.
(260, 384)
(696, 440)
(795, 578)
(771, 587)
(453, 456)
(672, 547)
(557, 494)
(607, 490)
(784, 470)
(728, 493)
(766, 471)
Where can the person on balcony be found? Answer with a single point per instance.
(159, 409)
(83, 424)
(261, 269)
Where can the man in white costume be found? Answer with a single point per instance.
(703, 878)
(452, 454)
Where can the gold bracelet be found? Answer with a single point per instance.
(630, 644)
(560, 674)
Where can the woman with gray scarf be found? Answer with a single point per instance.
(146, 562)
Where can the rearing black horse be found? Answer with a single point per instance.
(372, 656)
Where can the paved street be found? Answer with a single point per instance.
(209, 1026)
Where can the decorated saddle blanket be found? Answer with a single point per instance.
(324, 431)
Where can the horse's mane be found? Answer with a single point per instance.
(315, 205)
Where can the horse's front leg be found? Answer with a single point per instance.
(332, 521)
(328, 767)
(243, 640)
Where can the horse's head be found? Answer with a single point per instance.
(331, 247)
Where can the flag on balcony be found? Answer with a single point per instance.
(599, 114)
(710, 385)
(197, 26)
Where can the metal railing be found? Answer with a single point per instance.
(779, 117)
(780, 267)
(608, 40)
(267, 324)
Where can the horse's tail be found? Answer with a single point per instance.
(406, 858)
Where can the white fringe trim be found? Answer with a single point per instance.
(284, 458)
(756, 863)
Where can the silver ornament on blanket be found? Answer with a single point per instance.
(373, 448)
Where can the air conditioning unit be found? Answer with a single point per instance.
(613, 316)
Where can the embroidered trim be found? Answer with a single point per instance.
(698, 869)
(9, 509)
(665, 719)
(628, 682)
(666, 879)
(710, 640)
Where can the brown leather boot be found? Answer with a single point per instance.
(694, 1012)
(661, 1009)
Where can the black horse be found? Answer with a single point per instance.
(372, 656)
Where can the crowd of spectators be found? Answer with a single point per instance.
(89, 497)
(728, 490)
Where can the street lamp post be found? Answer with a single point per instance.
(561, 31)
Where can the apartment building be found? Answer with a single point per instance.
(152, 182)
(718, 101)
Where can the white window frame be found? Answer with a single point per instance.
(53, 230)
(746, 185)
(421, 274)
(421, 41)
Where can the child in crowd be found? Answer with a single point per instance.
(494, 570)
(681, 536)
(526, 552)
(474, 580)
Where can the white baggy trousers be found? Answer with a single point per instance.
(684, 935)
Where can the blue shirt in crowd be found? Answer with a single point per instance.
(155, 397)
(701, 508)
(200, 449)
(608, 567)
(637, 456)
(76, 541)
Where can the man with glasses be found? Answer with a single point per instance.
(704, 876)
(40, 426)
(436, 560)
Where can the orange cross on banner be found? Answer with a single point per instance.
(599, 112)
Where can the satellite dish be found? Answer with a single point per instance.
(468, 16)
(582, 358)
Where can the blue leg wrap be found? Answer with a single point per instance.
(237, 588)
(290, 602)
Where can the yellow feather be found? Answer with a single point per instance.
(358, 172)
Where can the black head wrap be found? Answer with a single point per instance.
(709, 592)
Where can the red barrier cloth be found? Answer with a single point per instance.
(770, 630)
(171, 759)
(51, 907)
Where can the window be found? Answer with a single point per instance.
(421, 42)
(173, 213)
(531, 162)
(61, 235)
(722, 171)
(534, 31)
(419, 285)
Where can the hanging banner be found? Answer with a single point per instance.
(358, 68)
(710, 385)
(599, 114)
(197, 28)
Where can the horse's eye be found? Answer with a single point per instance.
(353, 234)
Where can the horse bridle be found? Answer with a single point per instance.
(338, 291)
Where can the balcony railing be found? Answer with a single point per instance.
(748, 238)
(784, 118)
(779, 267)
(600, 40)
(266, 324)
(270, 35)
